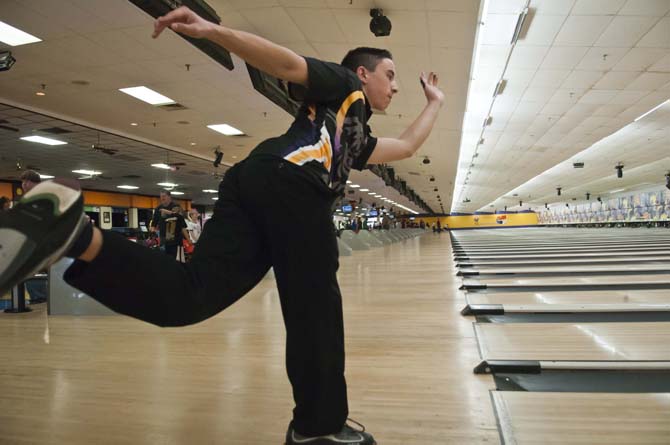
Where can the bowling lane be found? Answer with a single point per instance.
(619, 342)
(528, 418)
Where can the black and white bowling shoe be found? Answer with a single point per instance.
(39, 230)
(347, 436)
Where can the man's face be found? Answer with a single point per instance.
(379, 85)
(26, 185)
(165, 199)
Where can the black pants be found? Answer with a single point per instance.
(268, 214)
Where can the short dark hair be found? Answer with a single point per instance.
(32, 176)
(166, 192)
(3, 200)
(364, 56)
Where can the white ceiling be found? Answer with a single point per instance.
(576, 81)
(107, 43)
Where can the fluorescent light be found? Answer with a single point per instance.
(378, 196)
(226, 129)
(210, 191)
(174, 192)
(87, 172)
(215, 199)
(354, 186)
(14, 36)
(43, 140)
(348, 182)
(46, 176)
(617, 190)
(147, 95)
(519, 25)
(652, 110)
(127, 187)
(364, 190)
(372, 193)
(163, 166)
(167, 184)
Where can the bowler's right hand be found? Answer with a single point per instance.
(183, 21)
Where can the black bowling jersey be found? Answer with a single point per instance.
(329, 135)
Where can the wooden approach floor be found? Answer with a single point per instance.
(114, 380)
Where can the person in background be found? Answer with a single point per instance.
(174, 233)
(5, 203)
(354, 225)
(29, 179)
(161, 213)
(193, 225)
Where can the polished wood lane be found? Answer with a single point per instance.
(638, 298)
(582, 418)
(575, 280)
(658, 259)
(574, 341)
(648, 268)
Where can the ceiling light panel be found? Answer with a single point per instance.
(15, 37)
(43, 140)
(225, 129)
(147, 95)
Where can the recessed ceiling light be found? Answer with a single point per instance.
(40, 93)
(134, 124)
(372, 193)
(226, 129)
(193, 143)
(354, 186)
(127, 187)
(161, 165)
(147, 95)
(43, 140)
(14, 36)
(174, 192)
(215, 199)
(87, 172)
(364, 190)
(167, 184)
(348, 182)
(46, 176)
(210, 191)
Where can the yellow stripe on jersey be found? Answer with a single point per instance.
(353, 97)
(321, 151)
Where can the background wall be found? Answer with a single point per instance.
(647, 205)
(95, 198)
(483, 221)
